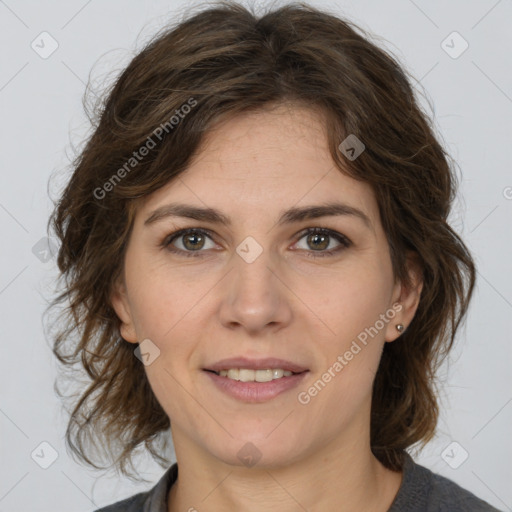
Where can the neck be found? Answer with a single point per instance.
(345, 477)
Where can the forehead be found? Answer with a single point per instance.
(263, 162)
(259, 145)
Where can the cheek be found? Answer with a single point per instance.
(350, 300)
(160, 301)
(351, 306)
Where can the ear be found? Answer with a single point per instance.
(406, 298)
(121, 305)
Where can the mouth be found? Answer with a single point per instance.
(255, 370)
(250, 375)
(250, 380)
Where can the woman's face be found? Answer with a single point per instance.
(251, 282)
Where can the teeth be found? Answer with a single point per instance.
(246, 375)
(231, 374)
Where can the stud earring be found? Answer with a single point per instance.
(400, 327)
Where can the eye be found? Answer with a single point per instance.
(189, 242)
(320, 239)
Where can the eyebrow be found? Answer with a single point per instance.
(293, 215)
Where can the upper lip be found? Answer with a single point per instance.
(255, 364)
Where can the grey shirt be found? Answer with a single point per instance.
(421, 491)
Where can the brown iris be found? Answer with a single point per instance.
(196, 239)
(314, 238)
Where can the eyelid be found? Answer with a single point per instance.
(331, 232)
(167, 241)
(342, 239)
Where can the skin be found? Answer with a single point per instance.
(198, 310)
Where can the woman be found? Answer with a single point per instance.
(257, 257)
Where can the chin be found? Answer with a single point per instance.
(260, 453)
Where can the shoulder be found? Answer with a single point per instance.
(453, 497)
(131, 504)
(154, 500)
(425, 491)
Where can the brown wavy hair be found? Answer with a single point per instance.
(225, 60)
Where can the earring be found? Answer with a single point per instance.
(400, 327)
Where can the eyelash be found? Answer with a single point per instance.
(343, 240)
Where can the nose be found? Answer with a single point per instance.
(255, 298)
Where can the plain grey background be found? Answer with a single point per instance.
(40, 98)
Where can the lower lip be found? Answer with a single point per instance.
(256, 391)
